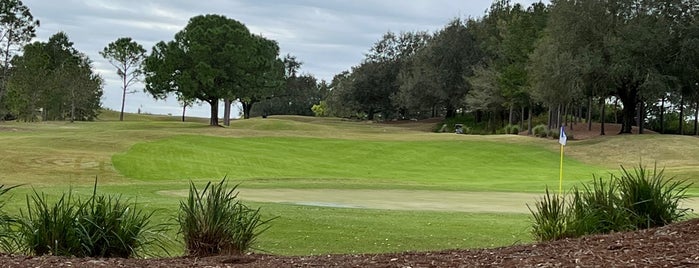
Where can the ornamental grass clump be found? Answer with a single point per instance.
(595, 209)
(636, 199)
(101, 226)
(549, 217)
(8, 238)
(651, 199)
(214, 222)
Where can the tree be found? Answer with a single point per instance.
(453, 52)
(54, 81)
(265, 74)
(209, 59)
(17, 27)
(126, 55)
(620, 45)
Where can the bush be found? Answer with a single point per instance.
(214, 222)
(635, 200)
(512, 129)
(101, 226)
(540, 131)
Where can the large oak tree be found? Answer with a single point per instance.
(212, 58)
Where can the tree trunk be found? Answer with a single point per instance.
(641, 116)
(601, 117)
(370, 115)
(629, 98)
(123, 100)
(589, 114)
(616, 109)
(184, 111)
(550, 118)
(558, 116)
(451, 112)
(681, 129)
(511, 118)
(696, 116)
(529, 126)
(521, 122)
(662, 115)
(247, 107)
(227, 112)
(214, 112)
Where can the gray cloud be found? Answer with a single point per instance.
(328, 36)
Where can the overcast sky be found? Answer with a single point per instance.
(328, 36)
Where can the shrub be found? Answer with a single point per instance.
(540, 131)
(101, 226)
(214, 222)
(652, 200)
(549, 217)
(512, 129)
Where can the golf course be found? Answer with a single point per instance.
(330, 185)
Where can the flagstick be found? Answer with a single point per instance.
(560, 179)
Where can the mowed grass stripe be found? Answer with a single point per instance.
(473, 165)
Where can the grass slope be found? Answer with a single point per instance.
(330, 163)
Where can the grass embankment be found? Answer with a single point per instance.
(154, 155)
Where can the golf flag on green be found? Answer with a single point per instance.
(562, 139)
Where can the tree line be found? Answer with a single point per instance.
(557, 63)
(48, 80)
(562, 61)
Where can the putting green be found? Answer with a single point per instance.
(489, 202)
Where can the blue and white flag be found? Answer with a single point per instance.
(562, 139)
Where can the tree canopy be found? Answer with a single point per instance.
(211, 59)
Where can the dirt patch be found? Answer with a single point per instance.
(580, 131)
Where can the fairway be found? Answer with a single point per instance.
(333, 186)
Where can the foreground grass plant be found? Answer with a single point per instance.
(652, 199)
(8, 238)
(101, 226)
(549, 217)
(214, 222)
(636, 199)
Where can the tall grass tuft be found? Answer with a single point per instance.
(549, 217)
(596, 209)
(50, 229)
(101, 226)
(635, 200)
(8, 238)
(109, 226)
(214, 222)
(652, 200)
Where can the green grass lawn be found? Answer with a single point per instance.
(471, 165)
(146, 155)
